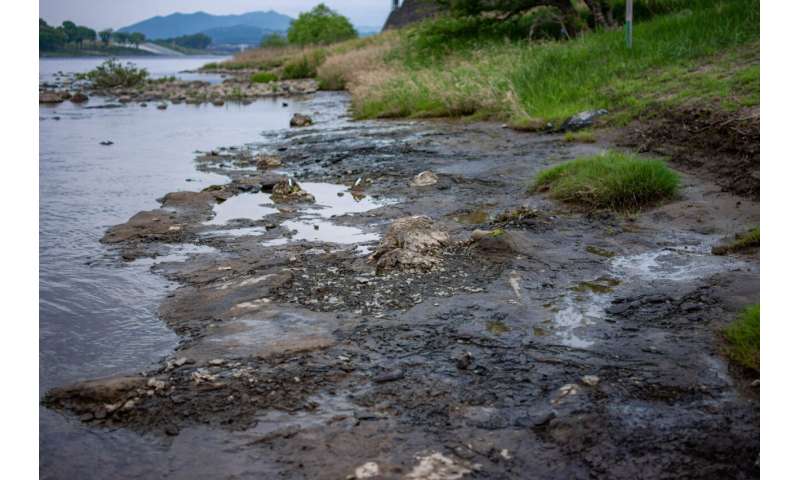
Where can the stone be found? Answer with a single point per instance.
(79, 97)
(390, 376)
(424, 179)
(265, 162)
(289, 191)
(410, 243)
(590, 380)
(300, 120)
(218, 102)
(106, 143)
(582, 120)
(161, 106)
(50, 97)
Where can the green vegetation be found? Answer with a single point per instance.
(68, 34)
(263, 77)
(113, 73)
(746, 241)
(581, 136)
(274, 40)
(615, 180)
(320, 26)
(744, 338)
(522, 81)
(303, 66)
(70, 39)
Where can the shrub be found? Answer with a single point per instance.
(581, 136)
(612, 180)
(303, 66)
(263, 77)
(320, 26)
(274, 40)
(112, 73)
(745, 241)
(744, 338)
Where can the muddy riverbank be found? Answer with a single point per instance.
(562, 344)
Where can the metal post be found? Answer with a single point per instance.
(629, 23)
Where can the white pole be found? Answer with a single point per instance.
(629, 23)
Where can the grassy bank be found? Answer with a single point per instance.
(704, 51)
(110, 51)
(744, 338)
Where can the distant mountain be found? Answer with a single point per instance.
(179, 24)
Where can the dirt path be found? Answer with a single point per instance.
(564, 345)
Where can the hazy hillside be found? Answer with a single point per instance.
(178, 24)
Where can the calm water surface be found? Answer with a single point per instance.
(97, 317)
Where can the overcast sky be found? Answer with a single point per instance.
(100, 14)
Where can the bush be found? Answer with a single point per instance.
(274, 40)
(263, 77)
(612, 180)
(743, 242)
(744, 338)
(320, 26)
(112, 73)
(303, 66)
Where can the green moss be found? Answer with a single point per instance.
(615, 180)
(581, 136)
(746, 241)
(744, 338)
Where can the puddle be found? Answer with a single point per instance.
(601, 285)
(236, 232)
(177, 253)
(251, 206)
(575, 315)
(325, 232)
(474, 217)
(330, 201)
(497, 327)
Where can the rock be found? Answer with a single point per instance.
(265, 162)
(582, 120)
(284, 104)
(300, 120)
(106, 143)
(171, 430)
(289, 191)
(50, 97)
(590, 380)
(497, 241)
(568, 390)
(410, 243)
(95, 393)
(79, 98)
(124, 99)
(143, 104)
(463, 361)
(161, 106)
(65, 95)
(390, 376)
(218, 102)
(424, 179)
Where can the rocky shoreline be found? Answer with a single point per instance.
(393, 291)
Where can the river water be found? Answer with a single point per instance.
(97, 317)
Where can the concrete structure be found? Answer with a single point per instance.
(410, 11)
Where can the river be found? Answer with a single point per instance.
(96, 317)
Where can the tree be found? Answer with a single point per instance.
(50, 38)
(273, 40)
(86, 34)
(137, 38)
(320, 26)
(105, 36)
(121, 37)
(70, 32)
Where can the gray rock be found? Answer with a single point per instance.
(300, 120)
(582, 120)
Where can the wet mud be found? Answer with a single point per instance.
(541, 343)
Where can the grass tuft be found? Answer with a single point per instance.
(615, 180)
(746, 241)
(744, 338)
(263, 77)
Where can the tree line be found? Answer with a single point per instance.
(68, 34)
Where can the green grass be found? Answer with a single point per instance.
(744, 338)
(614, 180)
(708, 52)
(263, 77)
(303, 66)
(745, 241)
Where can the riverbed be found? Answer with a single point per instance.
(563, 345)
